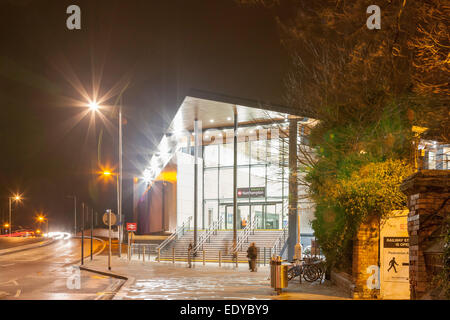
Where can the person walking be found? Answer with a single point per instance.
(252, 254)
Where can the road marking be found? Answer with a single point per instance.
(13, 281)
(7, 265)
(18, 293)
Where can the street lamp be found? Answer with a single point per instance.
(94, 106)
(15, 198)
(41, 219)
(107, 173)
(6, 226)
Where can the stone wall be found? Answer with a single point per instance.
(365, 254)
(428, 192)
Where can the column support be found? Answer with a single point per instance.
(293, 189)
(235, 177)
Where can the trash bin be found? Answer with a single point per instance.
(278, 274)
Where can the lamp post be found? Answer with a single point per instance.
(6, 226)
(16, 198)
(42, 219)
(94, 107)
(107, 174)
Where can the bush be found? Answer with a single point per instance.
(373, 190)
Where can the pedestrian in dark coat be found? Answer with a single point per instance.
(252, 254)
(189, 255)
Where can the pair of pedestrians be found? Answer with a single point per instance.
(252, 255)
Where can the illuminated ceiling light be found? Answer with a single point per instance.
(229, 118)
(147, 175)
(212, 120)
(164, 145)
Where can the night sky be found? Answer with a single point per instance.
(163, 48)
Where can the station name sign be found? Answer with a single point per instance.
(396, 242)
(254, 192)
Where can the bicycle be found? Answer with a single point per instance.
(310, 270)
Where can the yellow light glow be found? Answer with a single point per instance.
(6, 225)
(106, 173)
(38, 231)
(169, 176)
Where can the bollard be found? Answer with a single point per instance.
(264, 256)
(173, 255)
(203, 256)
(236, 256)
(143, 254)
(220, 258)
(139, 252)
(159, 254)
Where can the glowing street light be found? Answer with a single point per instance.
(15, 198)
(94, 106)
(41, 219)
(5, 226)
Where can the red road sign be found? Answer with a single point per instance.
(131, 226)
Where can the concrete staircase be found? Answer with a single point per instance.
(222, 241)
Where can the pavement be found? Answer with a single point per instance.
(152, 280)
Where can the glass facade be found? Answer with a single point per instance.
(262, 179)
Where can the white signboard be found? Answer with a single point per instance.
(395, 256)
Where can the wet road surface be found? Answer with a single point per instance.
(48, 273)
(11, 242)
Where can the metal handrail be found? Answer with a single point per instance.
(207, 234)
(278, 245)
(244, 235)
(180, 230)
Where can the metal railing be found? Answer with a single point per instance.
(143, 249)
(180, 231)
(243, 237)
(279, 243)
(205, 236)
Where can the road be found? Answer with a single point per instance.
(48, 273)
(7, 242)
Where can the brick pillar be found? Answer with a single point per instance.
(365, 254)
(427, 191)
